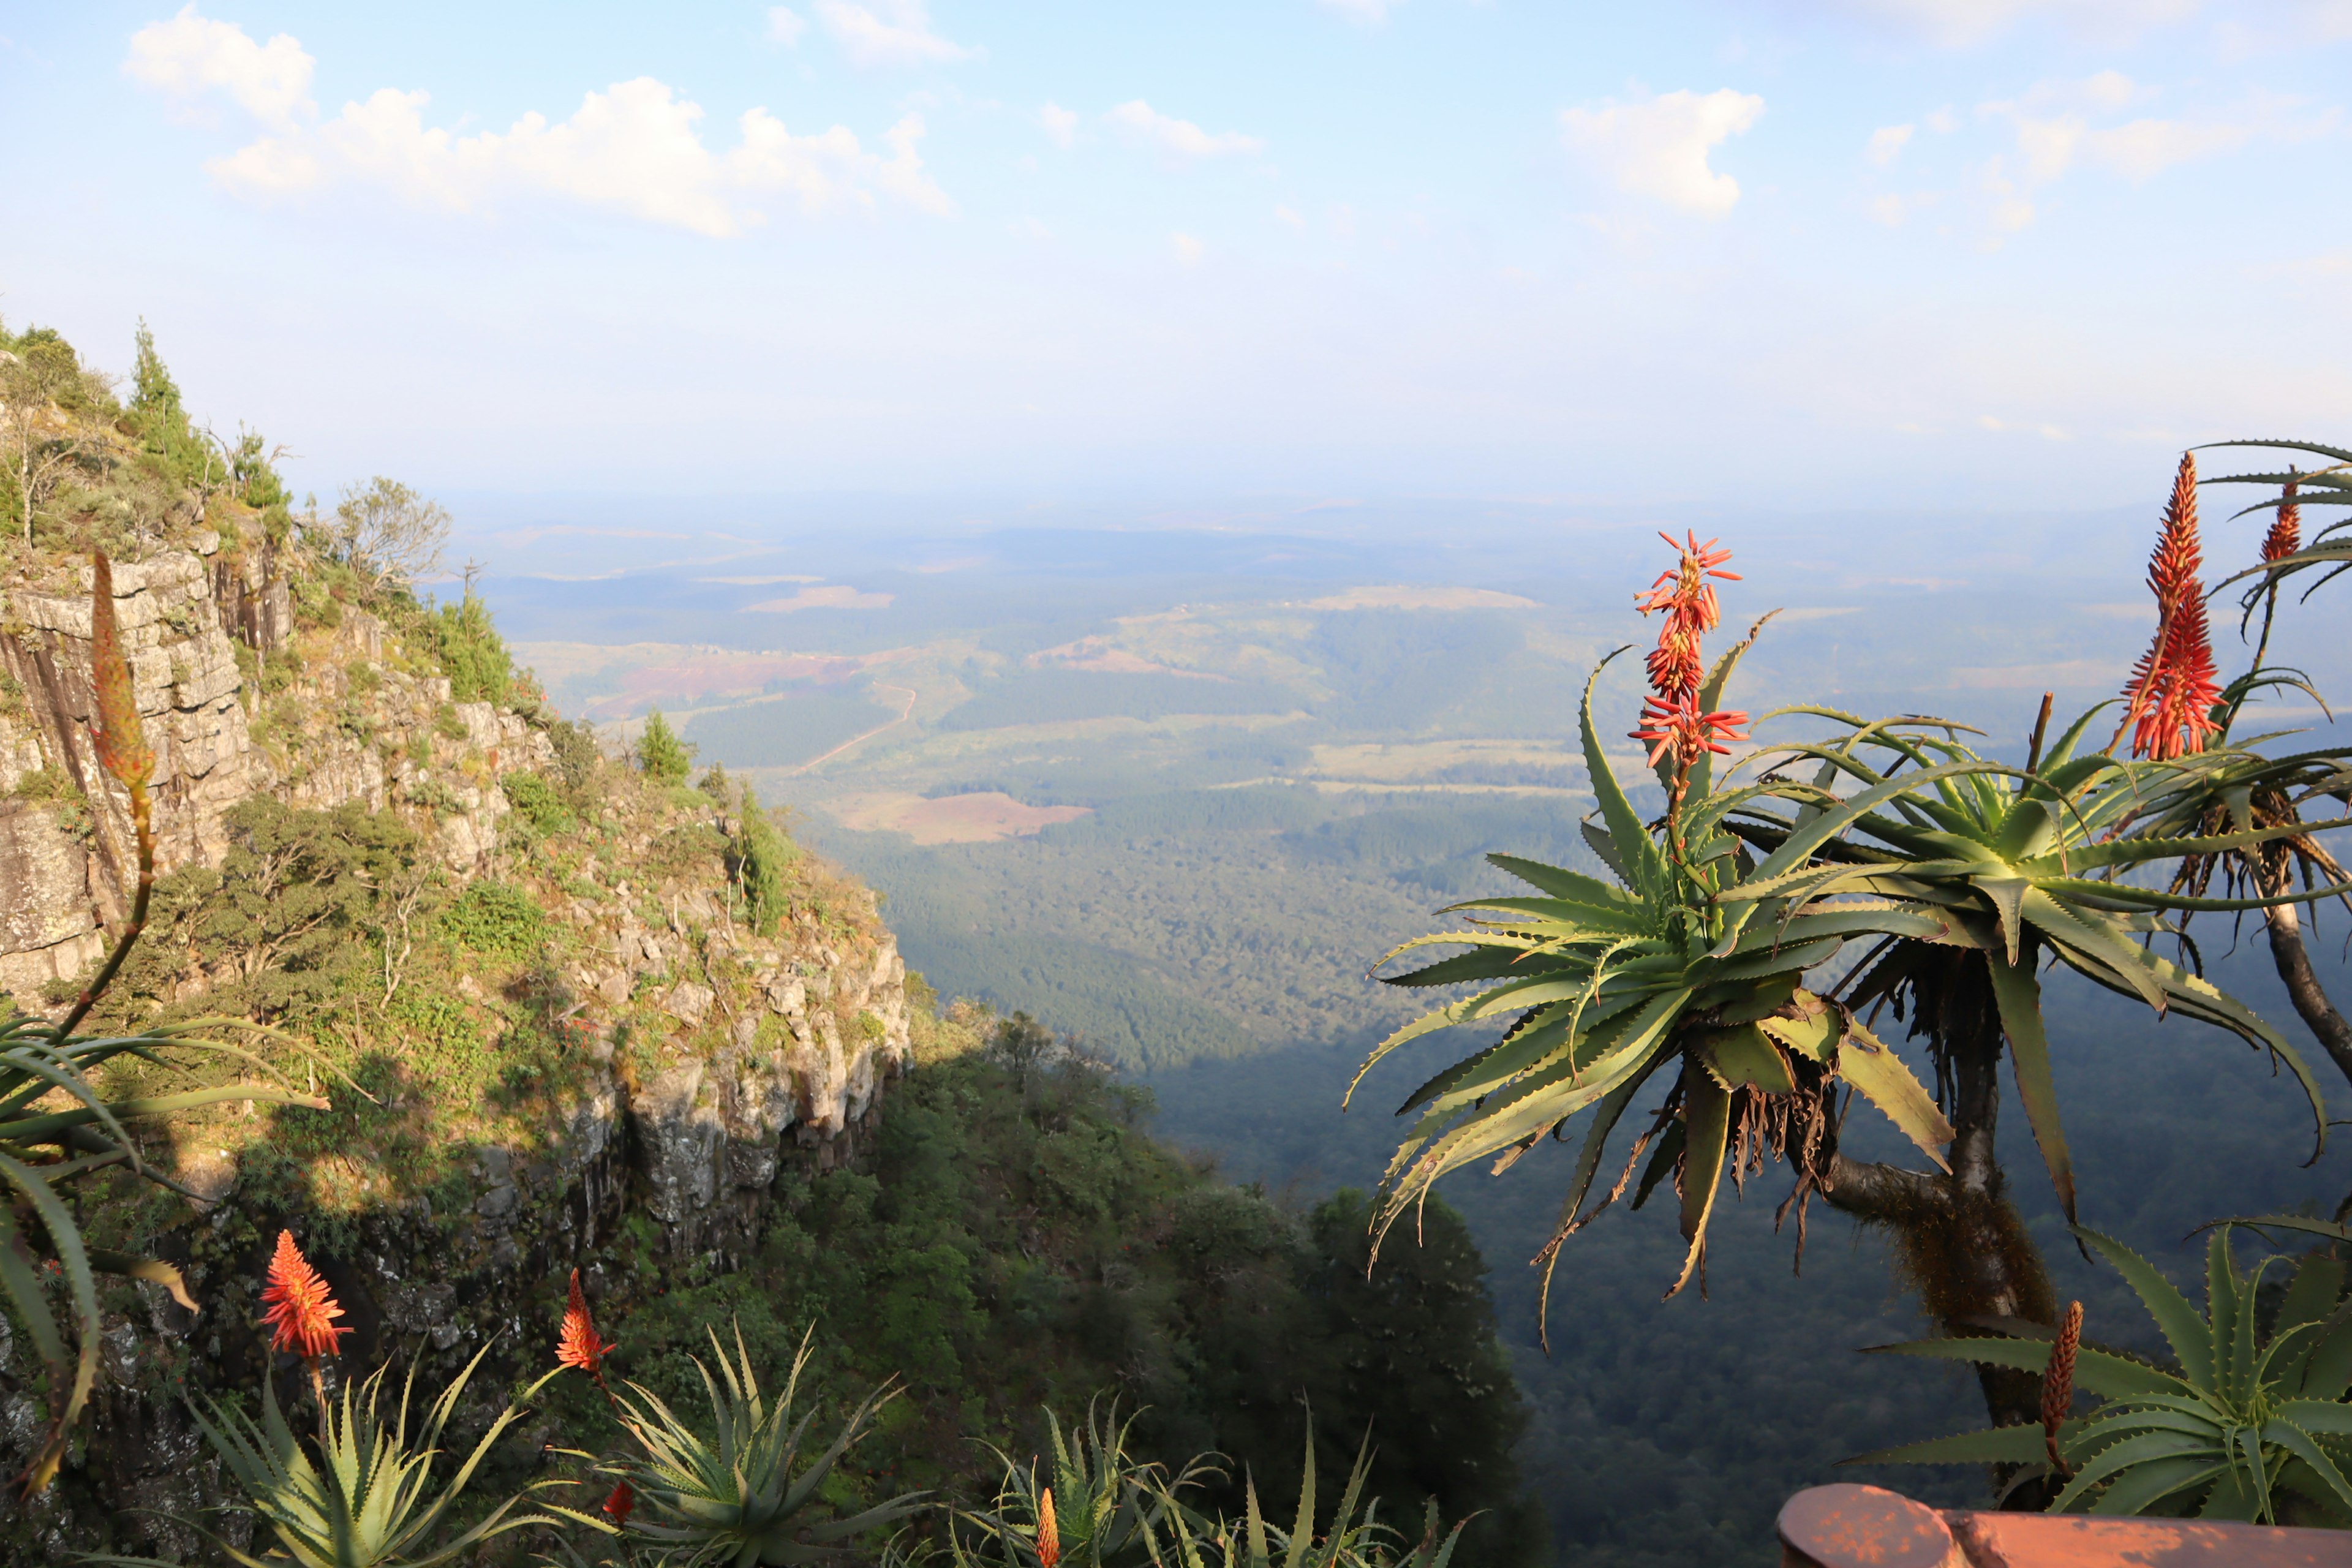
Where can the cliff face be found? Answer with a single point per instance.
(698, 1060)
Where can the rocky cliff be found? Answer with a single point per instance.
(616, 1089)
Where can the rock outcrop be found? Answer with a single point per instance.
(710, 1060)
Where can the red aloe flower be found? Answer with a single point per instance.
(2174, 686)
(578, 1345)
(2285, 536)
(1676, 725)
(1689, 604)
(302, 1309)
(621, 1504)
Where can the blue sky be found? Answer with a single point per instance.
(1950, 253)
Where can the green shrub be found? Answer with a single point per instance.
(471, 653)
(496, 920)
(540, 804)
(576, 754)
(760, 853)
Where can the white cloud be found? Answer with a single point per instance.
(190, 55)
(636, 148)
(1889, 210)
(1189, 250)
(786, 25)
(2056, 128)
(887, 32)
(1887, 143)
(1958, 23)
(1658, 147)
(1290, 216)
(1139, 121)
(1370, 13)
(1943, 122)
(1061, 124)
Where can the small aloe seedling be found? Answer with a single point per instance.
(2241, 1420)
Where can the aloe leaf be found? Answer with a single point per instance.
(1561, 882)
(1706, 1121)
(2131, 1453)
(2077, 929)
(1632, 851)
(1662, 1162)
(2102, 1373)
(2313, 1293)
(1880, 1077)
(65, 1238)
(2017, 992)
(2007, 896)
(24, 1288)
(1801, 844)
(2151, 1481)
(1993, 1445)
(1742, 1054)
(1596, 1140)
(2183, 1326)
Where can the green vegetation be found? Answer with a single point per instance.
(2248, 1421)
(665, 758)
(471, 652)
(1017, 1242)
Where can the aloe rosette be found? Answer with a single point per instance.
(2239, 1420)
(2016, 863)
(1678, 962)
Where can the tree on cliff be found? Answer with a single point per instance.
(40, 378)
(388, 534)
(664, 758)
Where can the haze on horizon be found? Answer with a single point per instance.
(1948, 254)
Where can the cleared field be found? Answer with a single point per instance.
(1402, 761)
(980, 817)
(1412, 596)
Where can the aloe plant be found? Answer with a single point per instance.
(1097, 1504)
(2330, 552)
(1353, 1538)
(2019, 863)
(745, 1494)
(2237, 1423)
(59, 1128)
(1679, 963)
(369, 1501)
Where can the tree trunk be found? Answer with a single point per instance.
(1960, 1242)
(2303, 987)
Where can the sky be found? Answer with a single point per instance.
(1950, 254)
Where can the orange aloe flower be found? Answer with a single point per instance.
(1676, 724)
(621, 1504)
(578, 1345)
(1049, 1534)
(2174, 686)
(302, 1309)
(1688, 600)
(2285, 536)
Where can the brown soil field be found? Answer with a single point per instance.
(950, 820)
